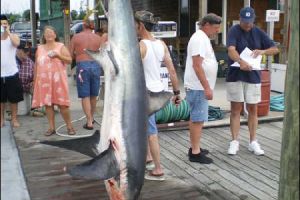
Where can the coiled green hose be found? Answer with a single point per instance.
(171, 113)
(277, 103)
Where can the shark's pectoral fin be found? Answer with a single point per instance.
(93, 54)
(86, 145)
(114, 62)
(105, 58)
(103, 167)
(158, 100)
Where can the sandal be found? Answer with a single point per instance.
(154, 177)
(71, 131)
(50, 132)
(85, 126)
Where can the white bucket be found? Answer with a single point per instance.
(25, 105)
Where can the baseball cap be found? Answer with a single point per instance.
(146, 16)
(247, 15)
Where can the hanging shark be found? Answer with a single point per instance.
(118, 150)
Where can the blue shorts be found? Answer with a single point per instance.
(152, 128)
(88, 78)
(198, 105)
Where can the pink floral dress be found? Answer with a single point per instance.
(51, 84)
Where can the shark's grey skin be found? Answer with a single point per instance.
(119, 153)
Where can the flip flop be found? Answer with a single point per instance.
(71, 131)
(85, 126)
(50, 132)
(154, 177)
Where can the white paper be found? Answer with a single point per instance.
(246, 56)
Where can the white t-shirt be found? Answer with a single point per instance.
(152, 63)
(199, 44)
(8, 58)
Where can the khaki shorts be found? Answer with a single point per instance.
(243, 92)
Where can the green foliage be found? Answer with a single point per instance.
(26, 15)
(81, 15)
(12, 17)
(74, 14)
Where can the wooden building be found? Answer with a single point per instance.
(187, 12)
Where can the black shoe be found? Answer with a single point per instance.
(200, 158)
(204, 151)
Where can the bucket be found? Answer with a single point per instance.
(264, 106)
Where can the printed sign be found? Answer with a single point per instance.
(272, 15)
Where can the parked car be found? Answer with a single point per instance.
(23, 29)
(76, 28)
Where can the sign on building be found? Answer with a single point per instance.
(272, 15)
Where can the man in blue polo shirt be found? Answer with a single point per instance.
(243, 83)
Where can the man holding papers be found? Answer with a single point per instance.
(246, 44)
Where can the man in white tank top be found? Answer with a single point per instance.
(11, 88)
(153, 53)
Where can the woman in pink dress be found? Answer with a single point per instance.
(50, 79)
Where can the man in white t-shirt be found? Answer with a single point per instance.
(11, 88)
(199, 81)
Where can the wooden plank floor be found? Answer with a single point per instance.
(241, 177)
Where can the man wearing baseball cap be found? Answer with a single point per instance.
(153, 53)
(244, 83)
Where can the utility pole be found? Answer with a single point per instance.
(67, 21)
(289, 163)
(33, 24)
(283, 55)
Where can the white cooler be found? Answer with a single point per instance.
(278, 73)
(25, 105)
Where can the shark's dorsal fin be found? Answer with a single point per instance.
(86, 145)
(102, 167)
(158, 100)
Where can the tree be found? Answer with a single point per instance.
(81, 15)
(74, 14)
(26, 15)
(12, 17)
(289, 164)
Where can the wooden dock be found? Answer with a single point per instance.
(241, 177)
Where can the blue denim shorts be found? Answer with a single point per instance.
(152, 128)
(88, 78)
(198, 105)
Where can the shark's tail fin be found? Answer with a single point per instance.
(158, 100)
(102, 167)
(86, 145)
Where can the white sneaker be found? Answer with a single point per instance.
(255, 148)
(233, 147)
